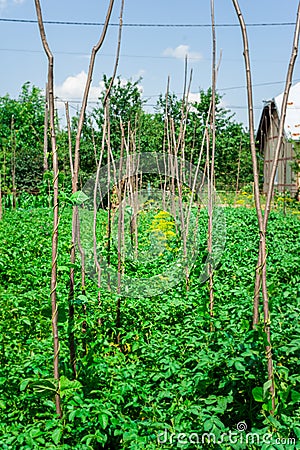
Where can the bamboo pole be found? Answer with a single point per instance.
(261, 269)
(211, 163)
(1, 207)
(75, 222)
(13, 162)
(55, 203)
(46, 122)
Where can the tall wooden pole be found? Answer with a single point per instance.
(55, 203)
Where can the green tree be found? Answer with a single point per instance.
(90, 144)
(169, 105)
(21, 131)
(232, 140)
(148, 133)
(125, 104)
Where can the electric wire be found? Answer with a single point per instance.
(149, 25)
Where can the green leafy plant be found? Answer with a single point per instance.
(169, 372)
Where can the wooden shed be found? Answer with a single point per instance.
(267, 136)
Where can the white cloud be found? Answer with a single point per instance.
(73, 88)
(194, 97)
(124, 81)
(140, 73)
(5, 3)
(181, 52)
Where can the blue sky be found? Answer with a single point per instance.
(153, 53)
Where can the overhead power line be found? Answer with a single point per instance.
(96, 102)
(150, 25)
(267, 83)
(126, 55)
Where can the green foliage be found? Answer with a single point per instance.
(296, 162)
(125, 104)
(145, 131)
(22, 128)
(169, 374)
(232, 141)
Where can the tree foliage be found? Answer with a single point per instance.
(22, 126)
(21, 129)
(124, 107)
(232, 141)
